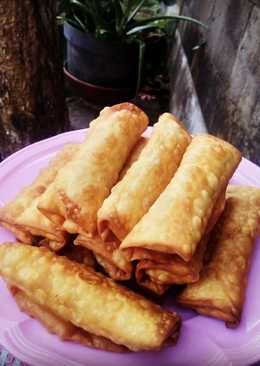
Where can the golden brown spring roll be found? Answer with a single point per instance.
(146, 282)
(20, 233)
(87, 299)
(108, 256)
(21, 215)
(82, 185)
(134, 155)
(162, 269)
(131, 197)
(177, 220)
(60, 327)
(220, 292)
(52, 245)
(155, 268)
(33, 221)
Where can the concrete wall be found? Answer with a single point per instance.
(226, 71)
(183, 102)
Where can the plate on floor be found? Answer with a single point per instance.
(203, 340)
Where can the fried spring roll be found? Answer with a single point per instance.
(178, 219)
(134, 155)
(108, 256)
(131, 197)
(163, 269)
(55, 246)
(33, 221)
(220, 292)
(20, 233)
(87, 299)
(63, 329)
(155, 268)
(21, 215)
(82, 185)
(146, 282)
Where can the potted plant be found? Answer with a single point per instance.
(106, 42)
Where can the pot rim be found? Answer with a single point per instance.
(90, 85)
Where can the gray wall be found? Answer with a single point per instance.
(226, 71)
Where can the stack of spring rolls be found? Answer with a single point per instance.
(155, 210)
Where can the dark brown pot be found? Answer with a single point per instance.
(105, 63)
(98, 94)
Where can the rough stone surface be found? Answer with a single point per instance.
(81, 112)
(226, 71)
(184, 103)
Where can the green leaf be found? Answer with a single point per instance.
(135, 10)
(78, 4)
(171, 18)
(73, 22)
(63, 5)
(198, 46)
(68, 5)
(118, 18)
(80, 23)
(149, 9)
(119, 15)
(97, 10)
(140, 29)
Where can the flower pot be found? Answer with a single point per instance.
(101, 62)
(99, 95)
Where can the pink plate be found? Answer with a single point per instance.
(203, 341)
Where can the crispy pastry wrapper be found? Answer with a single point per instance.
(21, 215)
(62, 328)
(33, 221)
(108, 256)
(145, 281)
(80, 188)
(147, 177)
(20, 233)
(163, 269)
(87, 299)
(176, 222)
(220, 292)
(134, 155)
(155, 268)
(55, 246)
